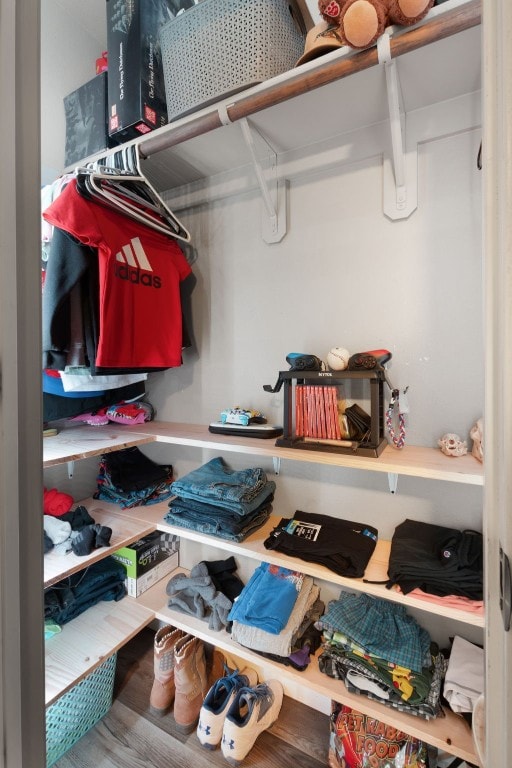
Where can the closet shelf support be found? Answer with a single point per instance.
(400, 181)
(273, 191)
(71, 469)
(393, 482)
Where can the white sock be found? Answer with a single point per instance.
(57, 530)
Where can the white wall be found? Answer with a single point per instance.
(343, 275)
(68, 59)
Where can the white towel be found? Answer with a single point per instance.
(464, 681)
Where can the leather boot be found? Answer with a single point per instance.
(191, 682)
(163, 690)
(196, 669)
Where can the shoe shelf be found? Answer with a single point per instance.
(252, 547)
(88, 640)
(414, 461)
(450, 733)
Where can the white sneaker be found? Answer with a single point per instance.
(217, 702)
(253, 711)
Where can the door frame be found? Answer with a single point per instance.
(22, 701)
(22, 708)
(497, 246)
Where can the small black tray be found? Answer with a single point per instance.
(251, 430)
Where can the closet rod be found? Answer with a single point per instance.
(432, 30)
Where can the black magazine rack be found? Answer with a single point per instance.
(372, 443)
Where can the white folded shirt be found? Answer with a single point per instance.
(464, 680)
(86, 382)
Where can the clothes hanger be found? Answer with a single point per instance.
(107, 193)
(118, 181)
(122, 171)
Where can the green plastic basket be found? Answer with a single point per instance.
(78, 710)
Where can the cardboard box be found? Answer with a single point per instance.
(148, 560)
(86, 120)
(136, 90)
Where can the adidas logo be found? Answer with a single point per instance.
(132, 264)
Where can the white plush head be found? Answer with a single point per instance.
(452, 445)
(477, 436)
(337, 358)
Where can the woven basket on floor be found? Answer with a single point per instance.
(75, 713)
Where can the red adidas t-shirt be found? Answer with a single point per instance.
(140, 271)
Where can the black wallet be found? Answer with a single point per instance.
(359, 422)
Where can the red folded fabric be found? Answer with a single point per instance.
(56, 503)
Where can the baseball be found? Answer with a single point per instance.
(337, 358)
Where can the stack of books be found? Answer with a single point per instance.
(316, 414)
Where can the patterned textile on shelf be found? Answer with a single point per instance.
(379, 626)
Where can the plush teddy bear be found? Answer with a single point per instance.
(361, 22)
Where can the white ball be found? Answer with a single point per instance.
(337, 358)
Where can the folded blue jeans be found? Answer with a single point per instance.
(215, 528)
(214, 482)
(70, 597)
(199, 511)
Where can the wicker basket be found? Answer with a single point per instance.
(220, 47)
(78, 710)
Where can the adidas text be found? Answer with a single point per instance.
(134, 275)
(132, 264)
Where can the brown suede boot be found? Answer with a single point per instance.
(163, 690)
(191, 682)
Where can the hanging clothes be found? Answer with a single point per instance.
(140, 271)
(68, 266)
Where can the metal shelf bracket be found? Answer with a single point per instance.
(393, 482)
(276, 461)
(400, 172)
(71, 469)
(273, 190)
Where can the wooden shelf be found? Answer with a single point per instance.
(450, 733)
(450, 20)
(75, 442)
(194, 147)
(253, 548)
(125, 530)
(87, 641)
(414, 461)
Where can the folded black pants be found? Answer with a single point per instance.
(342, 546)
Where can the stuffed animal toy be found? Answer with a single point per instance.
(361, 22)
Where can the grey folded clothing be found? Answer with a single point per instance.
(197, 595)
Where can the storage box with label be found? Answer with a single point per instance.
(136, 90)
(86, 120)
(148, 560)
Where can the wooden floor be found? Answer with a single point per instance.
(129, 736)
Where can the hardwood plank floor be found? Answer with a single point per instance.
(129, 736)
